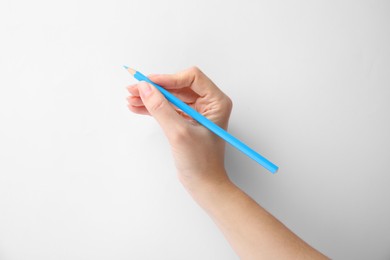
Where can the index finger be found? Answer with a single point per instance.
(192, 77)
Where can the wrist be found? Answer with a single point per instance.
(205, 190)
(200, 180)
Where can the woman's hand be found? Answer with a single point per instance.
(198, 153)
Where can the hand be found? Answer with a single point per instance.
(198, 153)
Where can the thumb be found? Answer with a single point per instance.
(159, 107)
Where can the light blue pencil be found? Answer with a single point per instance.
(208, 124)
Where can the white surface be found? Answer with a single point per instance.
(83, 178)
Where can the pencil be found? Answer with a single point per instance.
(208, 124)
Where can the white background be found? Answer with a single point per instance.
(83, 178)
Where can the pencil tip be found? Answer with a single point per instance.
(130, 70)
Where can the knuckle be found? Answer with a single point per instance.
(226, 104)
(195, 70)
(229, 103)
(197, 74)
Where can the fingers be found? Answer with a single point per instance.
(133, 89)
(138, 110)
(192, 77)
(186, 94)
(137, 106)
(192, 87)
(160, 109)
(135, 101)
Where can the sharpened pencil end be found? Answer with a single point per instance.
(130, 70)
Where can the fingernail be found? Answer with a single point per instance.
(145, 89)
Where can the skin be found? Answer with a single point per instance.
(199, 158)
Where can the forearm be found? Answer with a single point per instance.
(251, 230)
